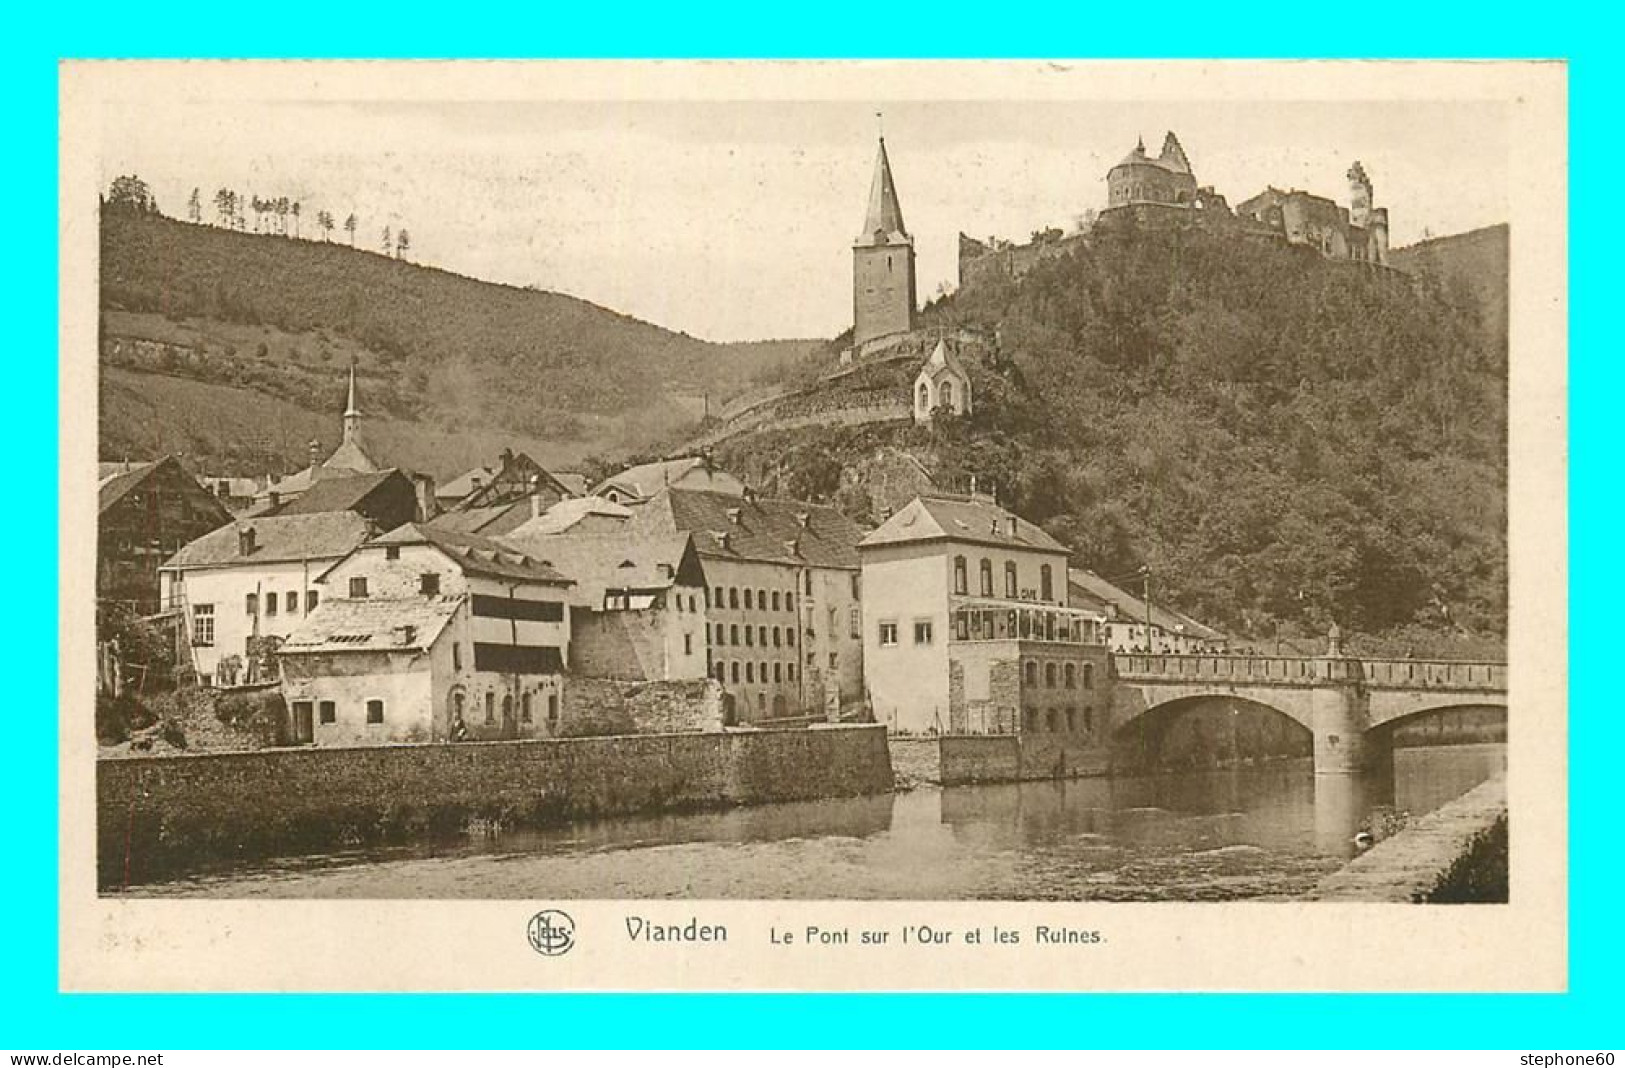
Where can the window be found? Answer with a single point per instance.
(507, 709)
(789, 636)
(925, 397)
(789, 673)
(327, 712)
(1031, 673)
(688, 644)
(888, 634)
(1088, 676)
(1088, 718)
(856, 628)
(733, 596)
(716, 601)
(251, 604)
(747, 598)
(1011, 587)
(392, 552)
(750, 636)
(735, 671)
(1071, 675)
(358, 586)
(733, 634)
(429, 584)
(750, 671)
(524, 708)
(1049, 675)
(761, 636)
(789, 602)
(857, 586)
(775, 600)
(456, 656)
(947, 389)
(490, 708)
(552, 710)
(311, 601)
(922, 632)
(721, 672)
(1046, 584)
(1071, 720)
(203, 624)
(961, 576)
(987, 577)
(290, 602)
(270, 604)
(834, 661)
(375, 711)
(778, 672)
(777, 638)
(809, 584)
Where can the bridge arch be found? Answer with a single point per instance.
(1444, 722)
(1209, 729)
(1389, 707)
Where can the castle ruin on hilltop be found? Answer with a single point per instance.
(1162, 191)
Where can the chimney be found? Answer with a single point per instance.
(535, 496)
(803, 520)
(276, 500)
(727, 540)
(1010, 525)
(507, 457)
(245, 541)
(734, 516)
(315, 450)
(371, 527)
(405, 634)
(666, 570)
(749, 495)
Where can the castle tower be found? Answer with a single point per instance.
(883, 297)
(1360, 196)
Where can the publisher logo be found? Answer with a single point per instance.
(552, 933)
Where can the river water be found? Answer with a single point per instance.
(1261, 832)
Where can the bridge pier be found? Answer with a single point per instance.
(1341, 724)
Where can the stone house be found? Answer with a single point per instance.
(638, 606)
(245, 587)
(145, 513)
(968, 628)
(1125, 627)
(422, 628)
(786, 630)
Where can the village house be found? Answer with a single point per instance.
(387, 498)
(578, 515)
(506, 514)
(1126, 619)
(638, 606)
(244, 587)
(968, 627)
(785, 599)
(146, 512)
(639, 484)
(429, 635)
(494, 492)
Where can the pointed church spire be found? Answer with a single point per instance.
(885, 215)
(352, 414)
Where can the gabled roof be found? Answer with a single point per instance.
(884, 215)
(766, 529)
(476, 555)
(340, 625)
(565, 514)
(340, 494)
(463, 484)
(169, 475)
(645, 480)
(1089, 590)
(625, 560)
(490, 520)
(352, 456)
(112, 488)
(279, 538)
(940, 359)
(974, 520)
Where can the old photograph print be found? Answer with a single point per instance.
(505, 493)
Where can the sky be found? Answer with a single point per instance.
(733, 219)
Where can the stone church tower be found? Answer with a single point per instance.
(883, 297)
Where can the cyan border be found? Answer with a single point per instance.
(33, 1015)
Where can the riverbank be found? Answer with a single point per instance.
(1455, 854)
(161, 816)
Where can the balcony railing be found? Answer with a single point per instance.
(1451, 674)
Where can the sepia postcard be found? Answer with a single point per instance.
(854, 525)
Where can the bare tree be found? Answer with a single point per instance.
(194, 206)
(387, 241)
(403, 241)
(324, 222)
(349, 225)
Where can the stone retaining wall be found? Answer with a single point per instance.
(161, 816)
(973, 758)
(1457, 853)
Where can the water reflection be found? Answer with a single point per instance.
(1270, 831)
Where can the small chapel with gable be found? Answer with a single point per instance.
(941, 383)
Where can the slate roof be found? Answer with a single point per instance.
(463, 484)
(337, 494)
(1089, 590)
(646, 480)
(475, 554)
(628, 560)
(945, 517)
(565, 514)
(884, 214)
(322, 536)
(339, 625)
(762, 528)
(491, 520)
(112, 488)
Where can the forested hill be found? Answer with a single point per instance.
(1285, 440)
(281, 318)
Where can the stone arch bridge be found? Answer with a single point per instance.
(1348, 704)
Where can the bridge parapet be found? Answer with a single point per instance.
(1310, 671)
